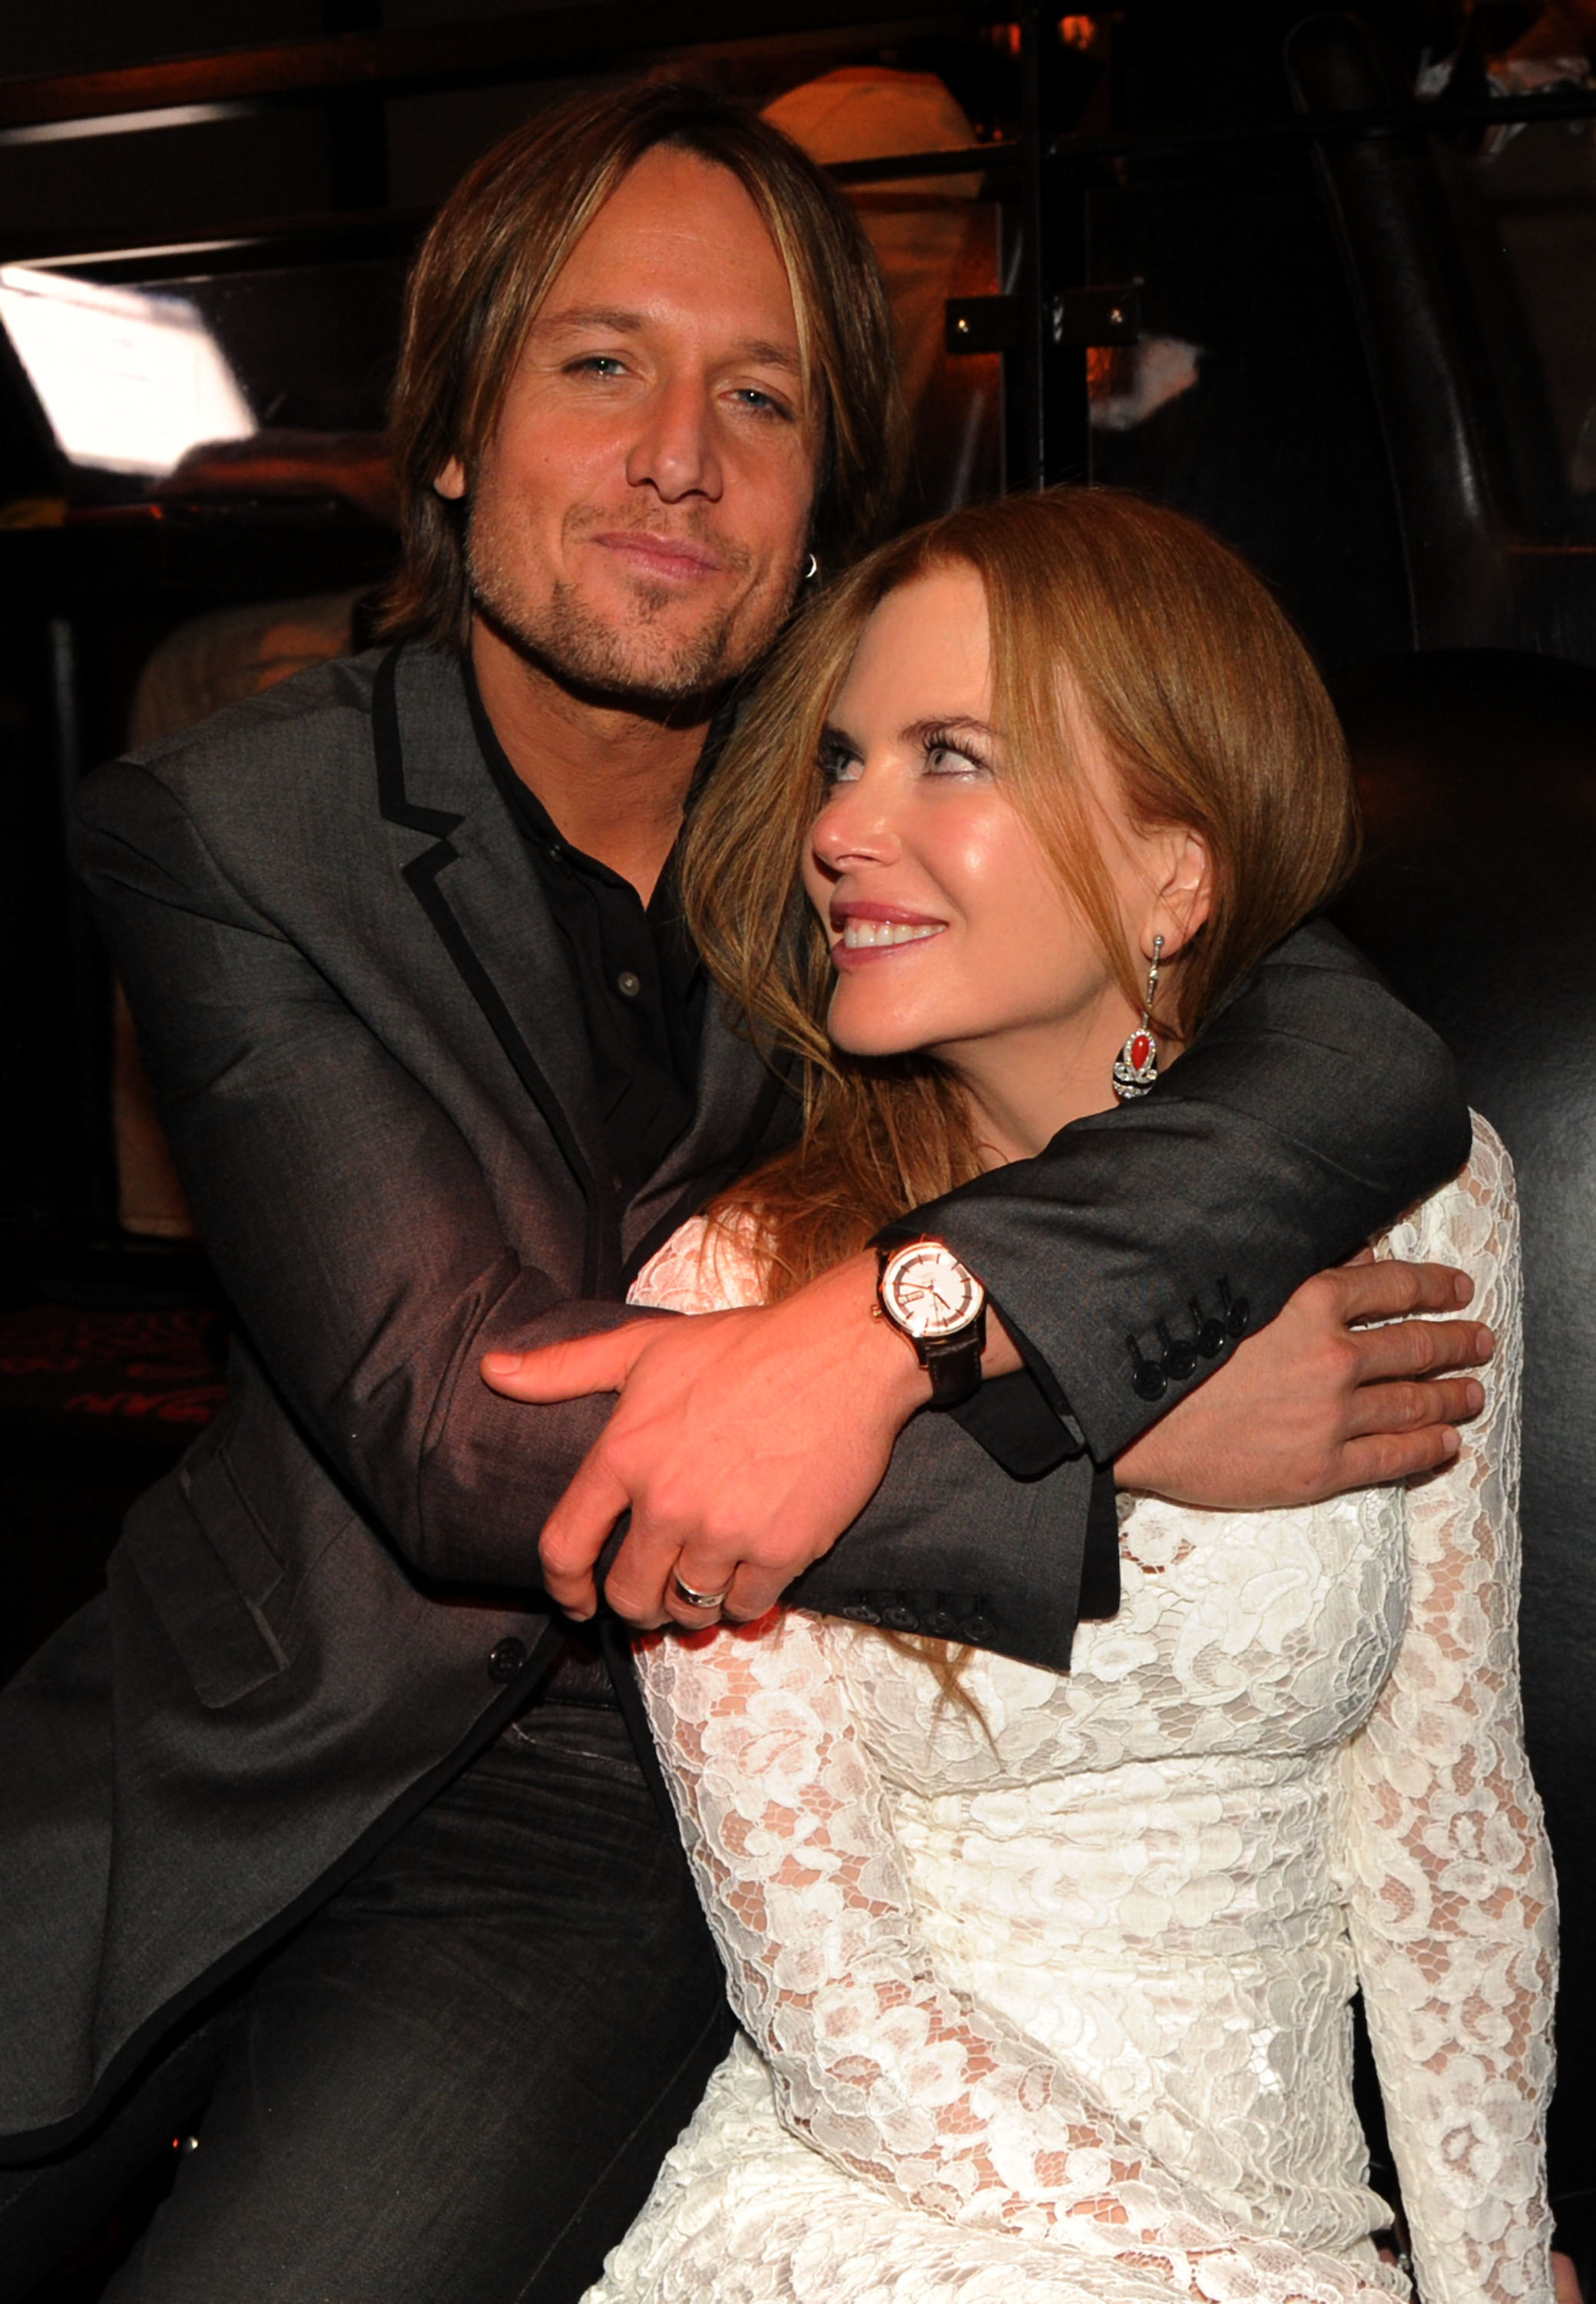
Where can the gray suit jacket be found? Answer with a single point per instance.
(365, 1045)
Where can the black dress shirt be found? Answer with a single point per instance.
(638, 978)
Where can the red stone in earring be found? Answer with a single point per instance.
(1136, 1066)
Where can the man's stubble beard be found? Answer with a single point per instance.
(631, 664)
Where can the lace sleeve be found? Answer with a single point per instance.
(1450, 1892)
(876, 2062)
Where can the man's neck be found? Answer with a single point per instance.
(613, 779)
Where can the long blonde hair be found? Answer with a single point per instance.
(1100, 605)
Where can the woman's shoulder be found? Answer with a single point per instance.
(707, 1265)
(1472, 1215)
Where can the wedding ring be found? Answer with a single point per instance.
(697, 1599)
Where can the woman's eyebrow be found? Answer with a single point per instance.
(836, 740)
(920, 732)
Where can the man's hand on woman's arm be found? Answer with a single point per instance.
(744, 1443)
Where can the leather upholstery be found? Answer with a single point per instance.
(1500, 553)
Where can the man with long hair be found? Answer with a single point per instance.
(324, 1842)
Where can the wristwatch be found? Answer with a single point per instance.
(929, 1297)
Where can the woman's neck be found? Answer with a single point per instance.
(1024, 1089)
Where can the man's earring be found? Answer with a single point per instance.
(1136, 1066)
(812, 569)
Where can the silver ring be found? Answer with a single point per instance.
(697, 1599)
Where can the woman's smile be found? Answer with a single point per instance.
(863, 932)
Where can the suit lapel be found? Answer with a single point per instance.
(471, 879)
(738, 1114)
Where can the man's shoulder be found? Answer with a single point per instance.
(305, 745)
(316, 716)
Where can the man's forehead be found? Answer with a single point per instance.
(579, 319)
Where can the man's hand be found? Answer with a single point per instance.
(743, 1444)
(1311, 1405)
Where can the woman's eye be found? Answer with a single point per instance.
(840, 768)
(950, 760)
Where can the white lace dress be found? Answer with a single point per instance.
(1054, 2003)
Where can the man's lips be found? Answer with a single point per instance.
(673, 557)
(868, 932)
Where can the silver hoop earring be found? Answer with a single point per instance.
(1136, 1066)
(812, 569)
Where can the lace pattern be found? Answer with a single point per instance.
(1055, 1999)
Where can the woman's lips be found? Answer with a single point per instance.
(671, 557)
(867, 933)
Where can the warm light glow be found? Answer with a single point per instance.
(130, 381)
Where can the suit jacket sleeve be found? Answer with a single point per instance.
(1305, 1118)
(347, 1217)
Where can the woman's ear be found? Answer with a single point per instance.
(1186, 896)
(451, 482)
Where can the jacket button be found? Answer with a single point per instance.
(1237, 1317)
(942, 1624)
(1211, 1338)
(506, 1660)
(900, 1620)
(859, 1612)
(977, 1629)
(1148, 1380)
(1180, 1355)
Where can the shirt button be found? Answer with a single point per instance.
(629, 984)
(506, 1660)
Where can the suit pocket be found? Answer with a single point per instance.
(198, 1550)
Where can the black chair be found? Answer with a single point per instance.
(1477, 897)
(1501, 551)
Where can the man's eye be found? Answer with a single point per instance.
(596, 364)
(761, 403)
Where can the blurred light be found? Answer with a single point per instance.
(123, 124)
(130, 381)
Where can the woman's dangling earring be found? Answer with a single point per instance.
(1136, 1066)
(812, 569)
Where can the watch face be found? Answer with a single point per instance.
(928, 1292)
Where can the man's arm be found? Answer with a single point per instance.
(1314, 1110)
(1134, 1253)
(347, 1217)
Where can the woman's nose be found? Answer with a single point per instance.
(856, 825)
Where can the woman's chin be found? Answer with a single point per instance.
(872, 1036)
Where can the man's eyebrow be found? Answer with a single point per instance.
(621, 322)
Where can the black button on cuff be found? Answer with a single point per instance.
(900, 1620)
(858, 1612)
(506, 1660)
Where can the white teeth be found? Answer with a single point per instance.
(869, 935)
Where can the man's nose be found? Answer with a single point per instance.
(674, 450)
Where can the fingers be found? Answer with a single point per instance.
(1407, 1407)
(570, 1370)
(1388, 1456)
(1385, 1291)
(1414, 1347)
(575, 1532)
